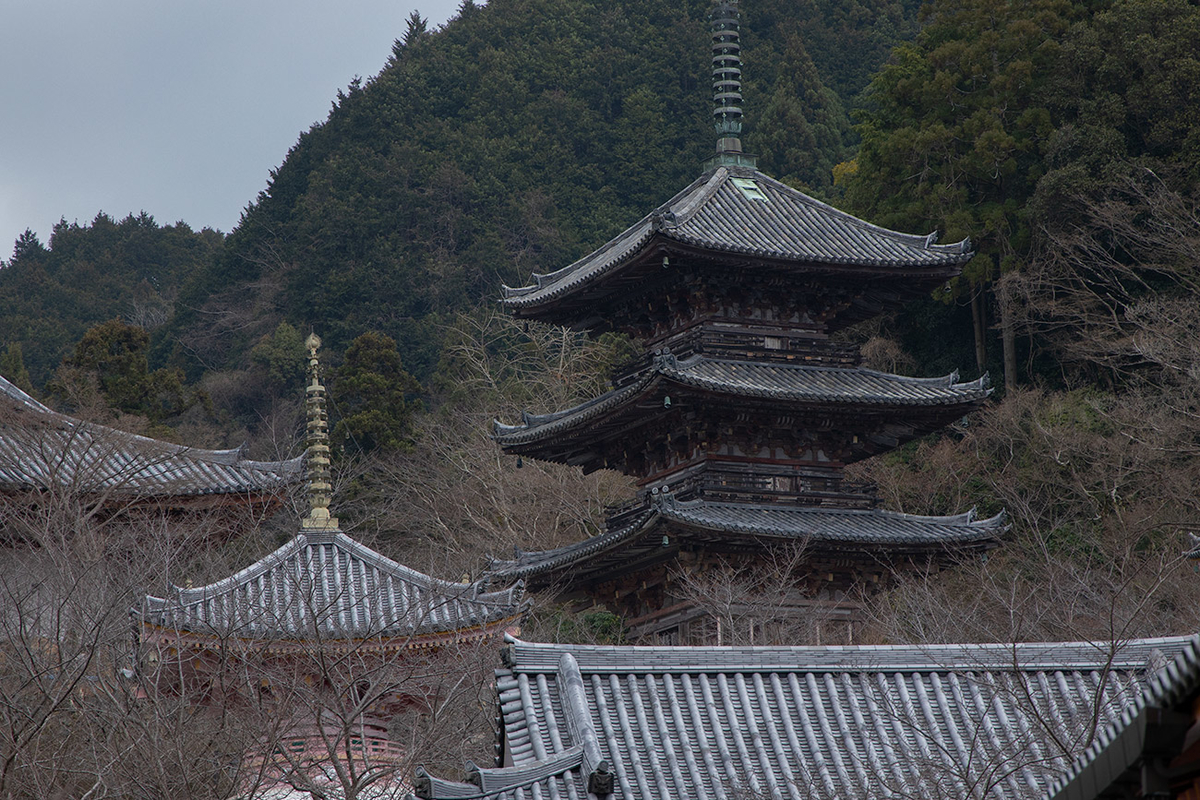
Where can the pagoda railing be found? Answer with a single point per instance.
(775, 346)
(749, 485)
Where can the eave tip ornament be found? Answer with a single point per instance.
(319, 488)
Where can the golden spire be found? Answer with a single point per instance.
(317, 456)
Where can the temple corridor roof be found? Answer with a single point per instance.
(933, 721)
(740, 211)
(41, 448)
(324, 584)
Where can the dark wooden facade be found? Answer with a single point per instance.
(739, 419)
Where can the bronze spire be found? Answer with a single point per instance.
(727, 85)
(317, 455)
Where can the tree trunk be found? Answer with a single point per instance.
(1008, 335)
(979, 318)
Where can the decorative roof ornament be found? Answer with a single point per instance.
(727, 87)
(319, 488)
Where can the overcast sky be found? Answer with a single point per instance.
(179, 108)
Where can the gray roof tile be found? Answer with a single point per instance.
(787, 382)
(973, 720)
(828, 527)
(326, 584)
(41, 448)
(1120, 743)
(850, 526)
(715, 215)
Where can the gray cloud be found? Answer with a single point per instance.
(177, 108)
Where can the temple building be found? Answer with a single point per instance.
(1061, 720)
(45, 454)
(743, 412)
(324, 637)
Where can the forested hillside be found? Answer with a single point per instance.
(515, 139)
(87, 274)
(512, 140)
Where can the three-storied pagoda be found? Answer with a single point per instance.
(741, 416)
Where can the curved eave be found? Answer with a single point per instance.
(484, 608)
(539, 562)
(390, 637)
(771, 382)
(836, 527)
(791, 232)
(210, 638)
(43, 449)
(820, 528)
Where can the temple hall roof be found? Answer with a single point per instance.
(41, 448)
(833, 528)
(831, 387)
(669, 723)
(742, 212)
(326, 585)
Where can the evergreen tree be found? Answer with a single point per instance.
(284, 357)
(27, 246)
(12, 367)
(374, 395)
(114, 354)
(955, 137)
(803, 130)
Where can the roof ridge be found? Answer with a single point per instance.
(711, 186)
(635, 232)
(1136, 654)
(950, 379)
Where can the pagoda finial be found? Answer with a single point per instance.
(317, 455)
(727, 85)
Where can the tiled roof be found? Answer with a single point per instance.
(1119, 744)
(770, 221)
(326, 584)
(850, 526)
(669, 723)
(538, 562)
(824, 527)
(41, 448)
(771, 381)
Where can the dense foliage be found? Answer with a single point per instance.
(511, 141)
(86, 274)
(1002, 121)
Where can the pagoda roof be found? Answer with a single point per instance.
(759, 380)
(738, 211)
(825, 528)
(918, 721)
(325, 584)
(42, 449)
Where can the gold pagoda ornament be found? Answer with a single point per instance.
(319, 488)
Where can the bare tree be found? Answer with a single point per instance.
(456, 499)
(1117, 286)
(768, 600)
